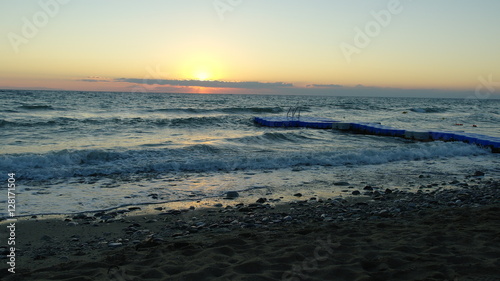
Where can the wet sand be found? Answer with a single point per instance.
(378, 235)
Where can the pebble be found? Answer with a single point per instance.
(106, 217)
(399, 204)
(115, 244)
(231, 195)
(173, 212)
(478, 174)
(4, 251)
(80, 217)
(341, 183)
(46, 238)
(298, 195)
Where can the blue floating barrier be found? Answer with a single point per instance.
(303, 124)
(459, 137)
(495, 143)
(471, 139)
(435, 135)
(484, 143)
(447, 136)
(384, 131)
(378, 129)
(400, 133)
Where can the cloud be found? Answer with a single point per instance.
(95, 79)
(202, 83)
(324, 86)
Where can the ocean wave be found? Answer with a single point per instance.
(210, 158)
(429, 110)
(35, 107)
(272, 137)
(196, 122)
(215, 121)
(37, 123)
(230, 110)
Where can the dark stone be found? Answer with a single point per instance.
(232, 195)
(478, 174)
(261, 200)
(80, 217)
(368, 187)
(298, 194)
(388, 191)
(46, 238)
(173, 212)
(356, 192)
(106, 217)
(341, 183)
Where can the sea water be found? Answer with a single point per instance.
(87, 151)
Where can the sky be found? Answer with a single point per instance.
(348, 47)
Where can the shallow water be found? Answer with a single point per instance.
(83, 151)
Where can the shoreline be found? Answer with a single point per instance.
(275, 241)
(277, 185)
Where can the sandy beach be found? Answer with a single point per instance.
(451, 234)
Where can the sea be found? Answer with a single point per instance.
(75, 152)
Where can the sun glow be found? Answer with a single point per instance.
(201, 66)
(202, 75)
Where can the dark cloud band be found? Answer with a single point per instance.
(202, 83)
